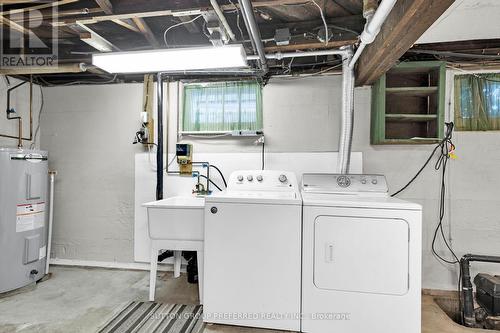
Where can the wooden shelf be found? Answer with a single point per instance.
(408, 104)
(412, 91)
(401, 117)
(412, 141)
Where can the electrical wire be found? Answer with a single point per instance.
(211, 181)
(327, 37)
(220, 173)
(176, 25)
(33, 143)
(446, 147)
(75, 82)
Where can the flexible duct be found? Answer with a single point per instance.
(347, 114)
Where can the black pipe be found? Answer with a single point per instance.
(159, 150)
(9, 110)
(467, 289)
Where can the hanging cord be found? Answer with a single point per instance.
(327, 37)
(220, 173)
(446, 149)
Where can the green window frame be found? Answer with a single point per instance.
(222, 107)
(477, 102)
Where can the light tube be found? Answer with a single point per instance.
(175, 59)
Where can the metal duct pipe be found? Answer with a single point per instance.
(159, 150)
(279, 55)
(223, 20)
(347, 115)
(253, 30)
(372, 28)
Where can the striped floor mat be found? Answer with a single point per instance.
(150, 317)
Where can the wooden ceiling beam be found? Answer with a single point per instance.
(466, 45)
(146, 31)
(38, 7)
(107, 7)
(407, 21)
(308, 46)
(170, 12)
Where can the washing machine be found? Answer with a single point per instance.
(252, 251)
(361, 256)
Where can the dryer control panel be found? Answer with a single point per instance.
(344, 183)
(263, 180)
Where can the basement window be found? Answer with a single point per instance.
(222, 107)
(477, 102)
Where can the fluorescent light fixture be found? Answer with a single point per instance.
(165, 60)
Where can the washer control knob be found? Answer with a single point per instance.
(374, 182)
(240, 178)
(283, 178)
(249, 178)
(363, 181)
(259, 178)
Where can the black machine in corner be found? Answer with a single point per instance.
(487, 294)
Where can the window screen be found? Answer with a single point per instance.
(222, 107)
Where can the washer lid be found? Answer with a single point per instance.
(256, 197)
(357, 201)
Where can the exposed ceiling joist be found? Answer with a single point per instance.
(146, 31)
(171, 12)
(107, 7)
(93, 39)
(37, 7)
(408, 20)
(61, 68)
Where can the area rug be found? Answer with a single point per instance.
(151, 317)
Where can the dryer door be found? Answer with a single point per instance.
(361, 254)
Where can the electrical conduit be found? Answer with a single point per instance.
(372, 28)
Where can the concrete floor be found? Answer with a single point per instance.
(82, 299)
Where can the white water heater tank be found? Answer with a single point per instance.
(23, 217)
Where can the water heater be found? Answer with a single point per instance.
(23, 217)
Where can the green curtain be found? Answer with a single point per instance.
(222, 106)
(477, 102)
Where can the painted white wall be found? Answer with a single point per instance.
(20, 102)
(89, 129)
(465, 20)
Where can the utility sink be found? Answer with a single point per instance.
(176, 218)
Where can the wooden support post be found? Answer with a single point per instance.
(147, 102)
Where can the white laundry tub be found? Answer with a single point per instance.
(176, 218)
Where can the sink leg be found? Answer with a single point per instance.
(199, 255)
(177, 263)
(152, 273)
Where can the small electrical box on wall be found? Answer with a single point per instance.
(184, 153)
